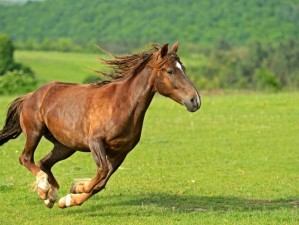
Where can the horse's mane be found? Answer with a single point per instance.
(127, 65)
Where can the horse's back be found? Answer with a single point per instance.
(44, 95)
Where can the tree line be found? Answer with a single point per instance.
(257, 66)
(119, 24)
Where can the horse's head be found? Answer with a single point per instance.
(171, 80)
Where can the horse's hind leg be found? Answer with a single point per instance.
(33, 129)
(33, 135)
(46, 182)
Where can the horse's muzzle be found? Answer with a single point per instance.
(193, 104)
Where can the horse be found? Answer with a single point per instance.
(103, 118)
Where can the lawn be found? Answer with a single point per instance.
(68, 67)
(235, 161)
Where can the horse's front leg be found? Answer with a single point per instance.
(82, 189)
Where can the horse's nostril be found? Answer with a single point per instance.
(192, 104)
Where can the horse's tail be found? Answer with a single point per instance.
(12, 128)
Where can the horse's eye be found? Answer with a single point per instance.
(170, 72)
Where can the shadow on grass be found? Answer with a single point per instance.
(157, 203)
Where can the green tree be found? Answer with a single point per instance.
(6, 54)
(15, 78)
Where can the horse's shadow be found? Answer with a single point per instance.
(157, 203)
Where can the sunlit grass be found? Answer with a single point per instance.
(235, 161)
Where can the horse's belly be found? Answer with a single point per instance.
(123, 143)
(72, 138)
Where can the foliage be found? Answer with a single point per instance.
(17, 82)
(6, 54)
(65, 24)
(233, 162)
(256, 66)
(15, 78)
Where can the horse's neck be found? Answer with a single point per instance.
(142, 91)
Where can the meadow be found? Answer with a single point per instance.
(235, 161)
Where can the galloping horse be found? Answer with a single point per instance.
(104, 118)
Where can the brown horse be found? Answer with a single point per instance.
(104, 118)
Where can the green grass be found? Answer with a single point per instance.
(235, 161)
(67, 67)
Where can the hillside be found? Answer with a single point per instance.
(134, 23)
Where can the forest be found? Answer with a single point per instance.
(134, 23)
(236, 44)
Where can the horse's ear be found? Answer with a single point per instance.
(164, 50)
(175, 47)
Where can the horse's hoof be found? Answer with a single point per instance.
(65, 201)
(49, 203)
(51, 197)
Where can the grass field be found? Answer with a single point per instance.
(235, 161)
(67, 67)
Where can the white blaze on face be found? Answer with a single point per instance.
(178, 65)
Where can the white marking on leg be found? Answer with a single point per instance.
(68, 200)
(44, 185)
(61, 202)
(42, 181)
